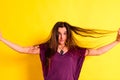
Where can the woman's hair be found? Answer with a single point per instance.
(52, 43)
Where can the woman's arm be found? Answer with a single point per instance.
(29, 50)
(101, 50)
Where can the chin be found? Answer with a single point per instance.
(62, 43)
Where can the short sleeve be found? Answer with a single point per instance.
(80, 60)
(82, 51)
(43, 48)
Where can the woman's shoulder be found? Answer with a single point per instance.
(43, 45)
(78, 50)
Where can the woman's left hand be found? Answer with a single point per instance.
(118, 36)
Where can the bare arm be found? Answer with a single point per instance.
(29, 50)
(101, 50)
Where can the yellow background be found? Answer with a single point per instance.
(26, 23)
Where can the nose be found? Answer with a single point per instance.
(61, 36)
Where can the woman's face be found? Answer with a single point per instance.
(62, 35)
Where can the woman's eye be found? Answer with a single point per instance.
(59, 33)
(65, 33)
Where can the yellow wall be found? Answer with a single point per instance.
(26, 23)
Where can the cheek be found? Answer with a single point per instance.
(59, 37)
(65, 38)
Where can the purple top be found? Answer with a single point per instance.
(63, 67)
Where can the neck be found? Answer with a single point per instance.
(61, 45)
(61, 49)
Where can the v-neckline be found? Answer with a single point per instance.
(64, 53)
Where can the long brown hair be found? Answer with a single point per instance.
(52, 43)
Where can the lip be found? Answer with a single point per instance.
(61, 41)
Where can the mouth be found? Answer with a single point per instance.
(61, 41)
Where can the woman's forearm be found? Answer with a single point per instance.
(12, 45)
(107, 47)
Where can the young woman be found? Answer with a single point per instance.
(61, 57)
